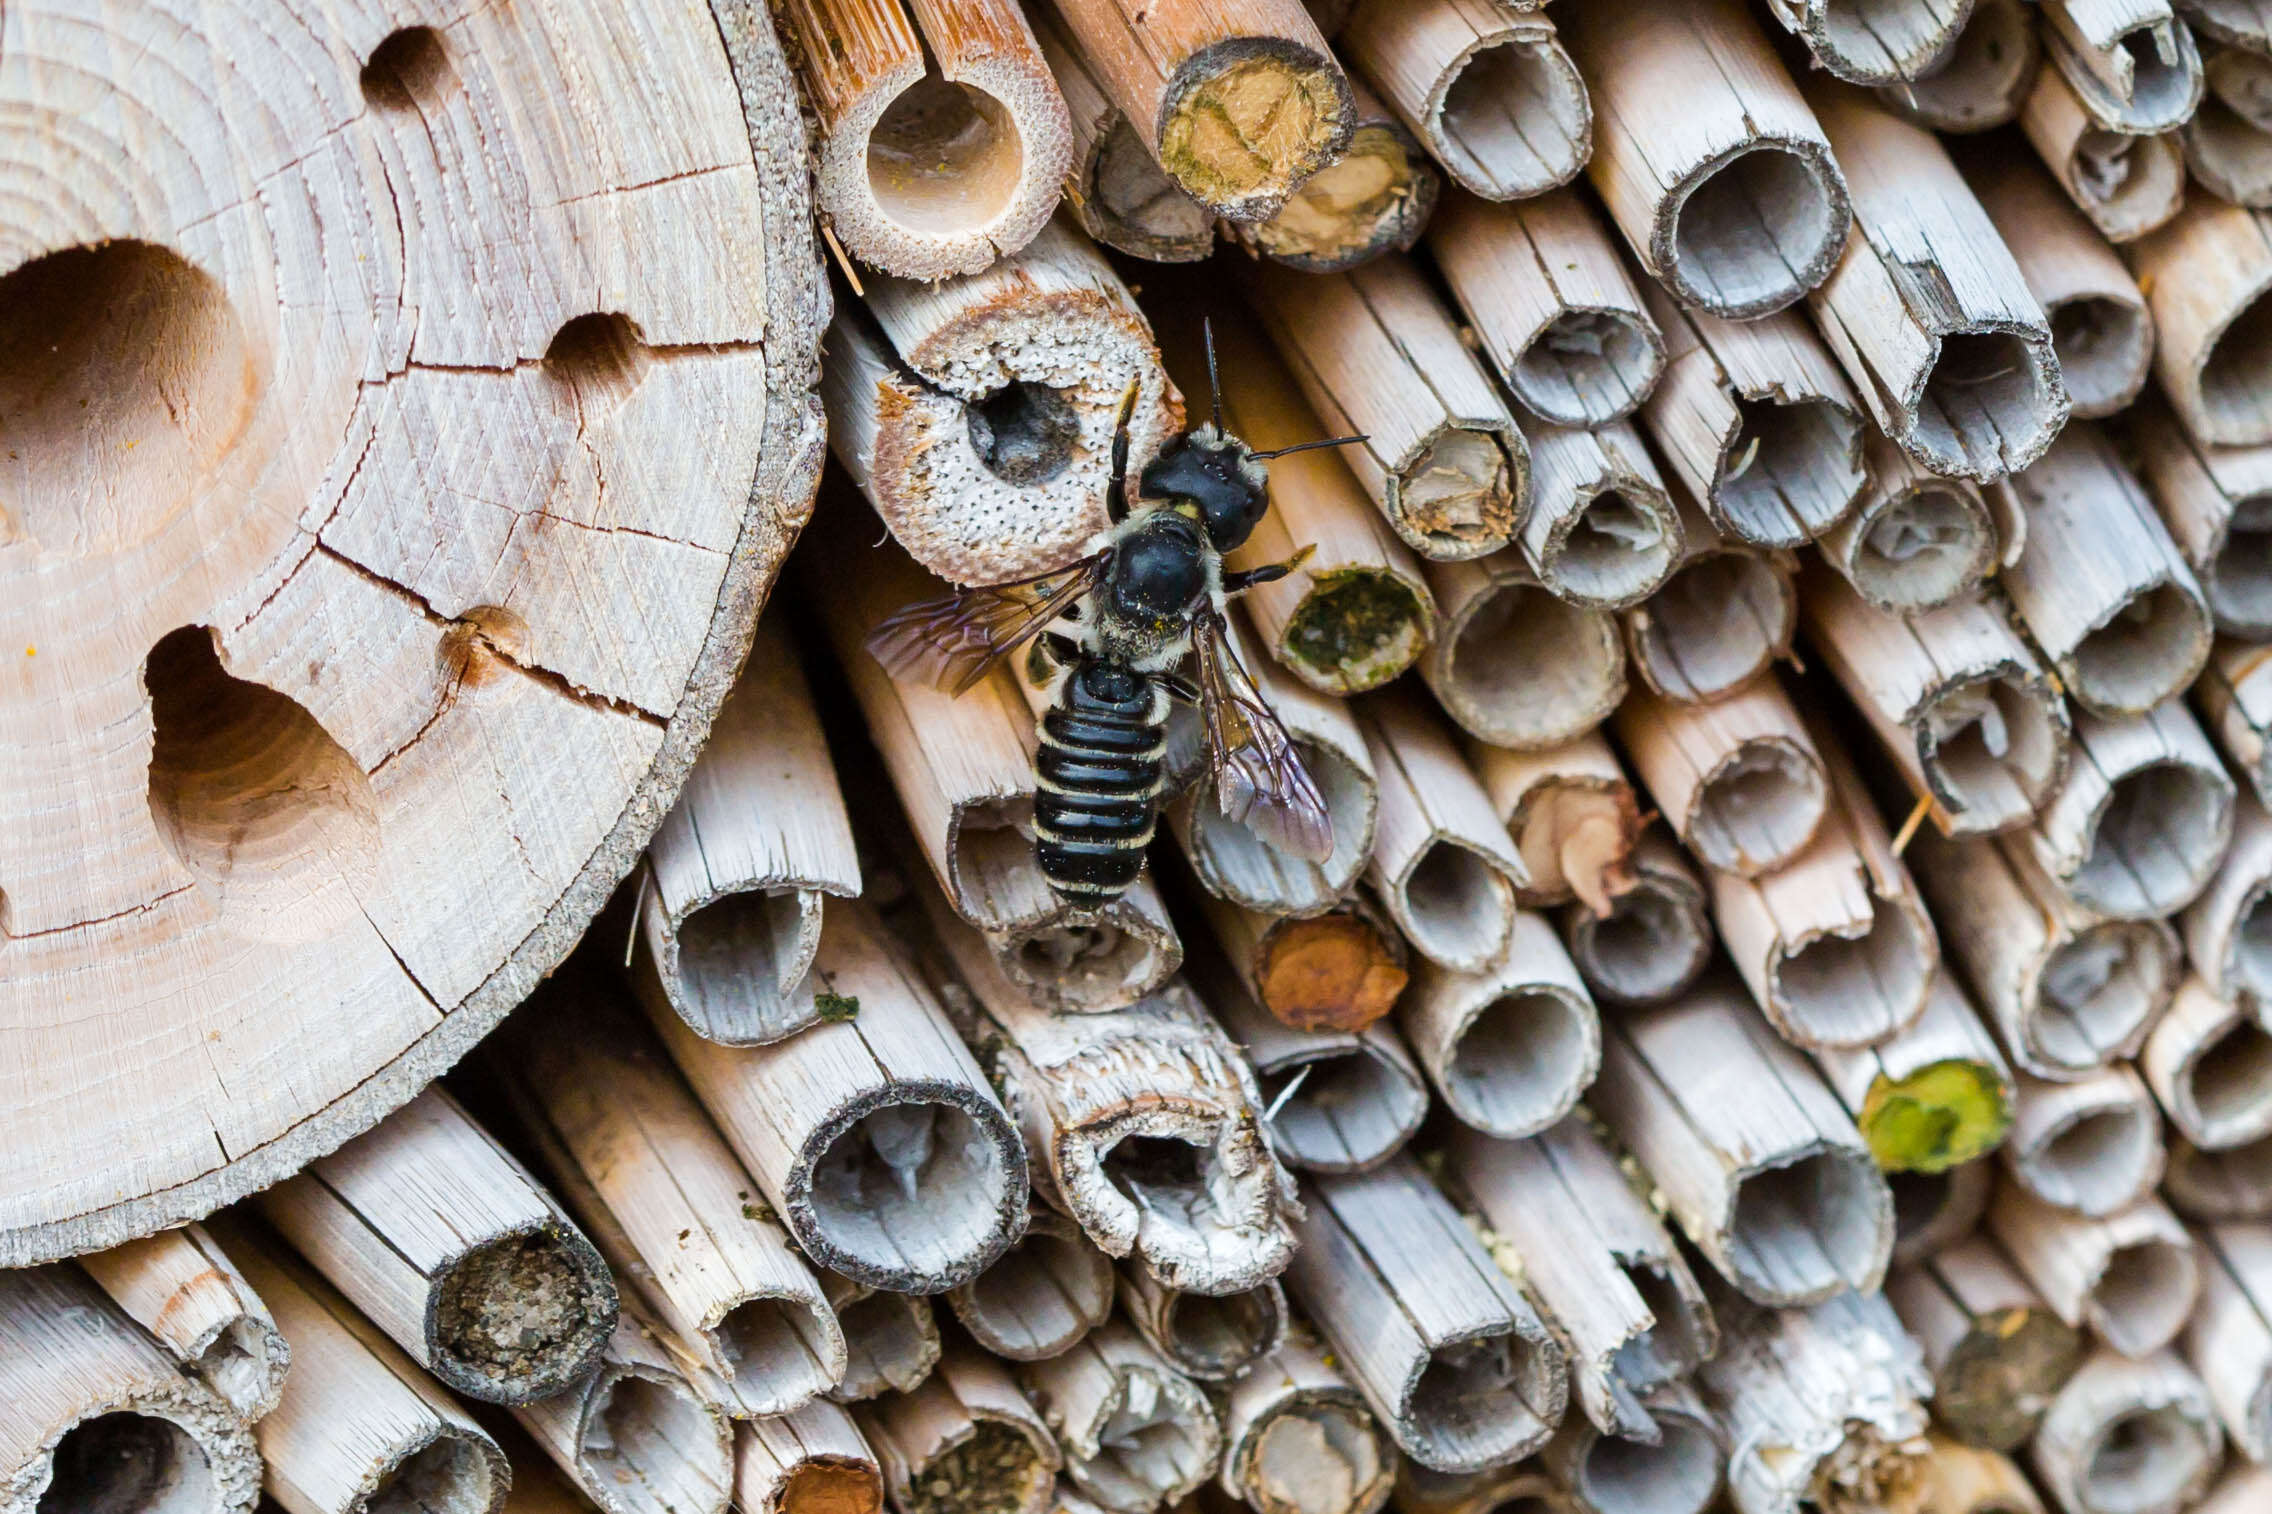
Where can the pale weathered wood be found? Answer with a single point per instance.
(1630, 1312)
(2092, 1144)
(1376, 198)
(455, 1251)
(1453, 1360)
(1996, 1351)
(2127, 185)
(1209, 1338)
(2131, 1277)
(1933, 1211)
(2235, 698)
(1572, 814)
(2209, 1063)
(942, 139)
(2205, 275)
(1136, 1433)
(1739, 781)
(1603, 534)
(2144, 817)
(1916, 540)
(1655, 939)
(1512, 664)
(1547, 292)
(2226, 144)
(1115, 188)
(1723, 616)
(2229, 1340)
(388, 391)
(1927, 311)
(1708, 160)
(2217, 503)
(1298, 1439)
(965, 1441)
(1758, 1163)
(1488, 88)
(891, 1340)
(1376, 354)
(1443, 864)
(1876, 41)
(1933, 1096)
(1983, 79)
(1679, 1471)
(2129, 1437)
(2245, 1486)
(875, 1137)
(1041, 1295)
(813, 1460)
(730, 915)
(2131, 63)
(181, 1287)
(2228, 930)
(94, 1415)
(1511, 1045)
(2210, 1186)
(643, 1434)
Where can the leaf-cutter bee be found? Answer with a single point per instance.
(1150, 593)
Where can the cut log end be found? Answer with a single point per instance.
(1759, 807)
(521, 1317)
(2105, 347)
(1317, 1455)
(1989, 405)
(1789, 469)
(1246, 120)
(1374, 199)
(1333, 972)
(1357, 629)
(1992, 1389)
(1717, 623)
(1802, 1231)
(1752, 231)
(1937, 1116)
(1492, 146)
(914, 1194)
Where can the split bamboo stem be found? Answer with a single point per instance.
(1708, 159)
(1874, 41)
(2093, 1145)
(1603, 533)
(1454, 1362)
(2217, 503)
(891, 1340)
(1739, 781)
(1932, 1097)
(1927, 311)
(2131, 63)
(2235, 697)
(1487, 87)
(2205, 275)
(1916, 540)
(1136, 1433)
(2228, 1342)
(812, 1460)
(2228, 930)
(181, 1287)
(1512, 1046)
(1040, 1296)
(1656, 938)
(2130, 1277)
(2209, 1063)
(636, 1435)
(1680, 1471)
(1298, 1439)
(452, 1249)
(874, 1137)
(2228, 147)
(1996, 1350)
(1443, 864)
(1933, 1211)
(738, 869)
(1775, 1186)
(1209, 1338)
(2129, 1437)
(1722, 618)
(1377, 356)
(966, 1442)
(1339, 971)
(1375, 199)
(2126, 185)
(1572, 814)
(2213, 1186)
(1983, 79)
(1515, 666)
(1115, 188)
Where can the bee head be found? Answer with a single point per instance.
(1218, 473)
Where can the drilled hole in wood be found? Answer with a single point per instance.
(271, 817)
(1985, 402)
(410, 68)
(1512, 119)
(944, 158)
(2102, 346)
(128, 1463)
(1755, 232)
(124, 379)
(2097, 989)
(598, 358)
(913, 1183)
(1790, 469)
(1024, 433)
(641, 1445)
(1807, 1227)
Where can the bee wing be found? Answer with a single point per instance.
(950, 643)
(1260, 781)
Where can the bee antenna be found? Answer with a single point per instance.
(1329, 441)
(1214, 377)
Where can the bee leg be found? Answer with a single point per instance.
(1179, 687)
(1116, 482)
(1269, 573)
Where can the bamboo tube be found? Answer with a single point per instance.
(813, 1460)
(454, 1251)
(1339, 971)
(1358, 612)
(635, 1158)
(1603, 533)
(2131, 1277)
(1678, 1471)
(2128, 1437)
(1916, 540)
(1239, 106)
(738, 868)
(1708, 160)
(2132, 63)
(2067, 992)
(963, 769)
(1453, 1360)
(538, 1487)
(2217, 503)
(1298, 1439)
(966, 1442)
(2092, 1145)
(2205, 275)
(1996, 1351)
(2209, 1063)
(2228, 930)
(1443, 865)
(1376, 355)
(1144, 1125)
(2228, 1342)
(1375, 199)
(360, 1429)
(636, 1435)
(1488, 88)
(1518, 1489)
(2100, 584)
(1631, 1315)
(891, 1340)
(977, 414)
(1572, 814)
(2143, 819)
(2213, 1186)
(1757, 420)
(2227, 146)
(922, 174)
(2127, 185)
(1719, 621)
(1335, 1100)
(1775, 1187)
(181, 1287)
(1961, 1479)
(1932, 1097)
(1819, 1405)
(1512, 1046)
(1955, 695)
(1835, 946)
(1962, 378)
(2235, 697)
(1041, 1296)
(1116, 189)
(1873, 43)
(1933, 1211)
(1208, 1338)
(1136, 1433)
(1655, 939)
(1514, 665)
(2100, 328)
(94, 1415)
(2235, 23)
(1739, 781)
(1547, 292)
(875, 1138)
(2244, 1487)
(1983, 79)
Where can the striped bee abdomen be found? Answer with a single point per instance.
(1097, 773)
